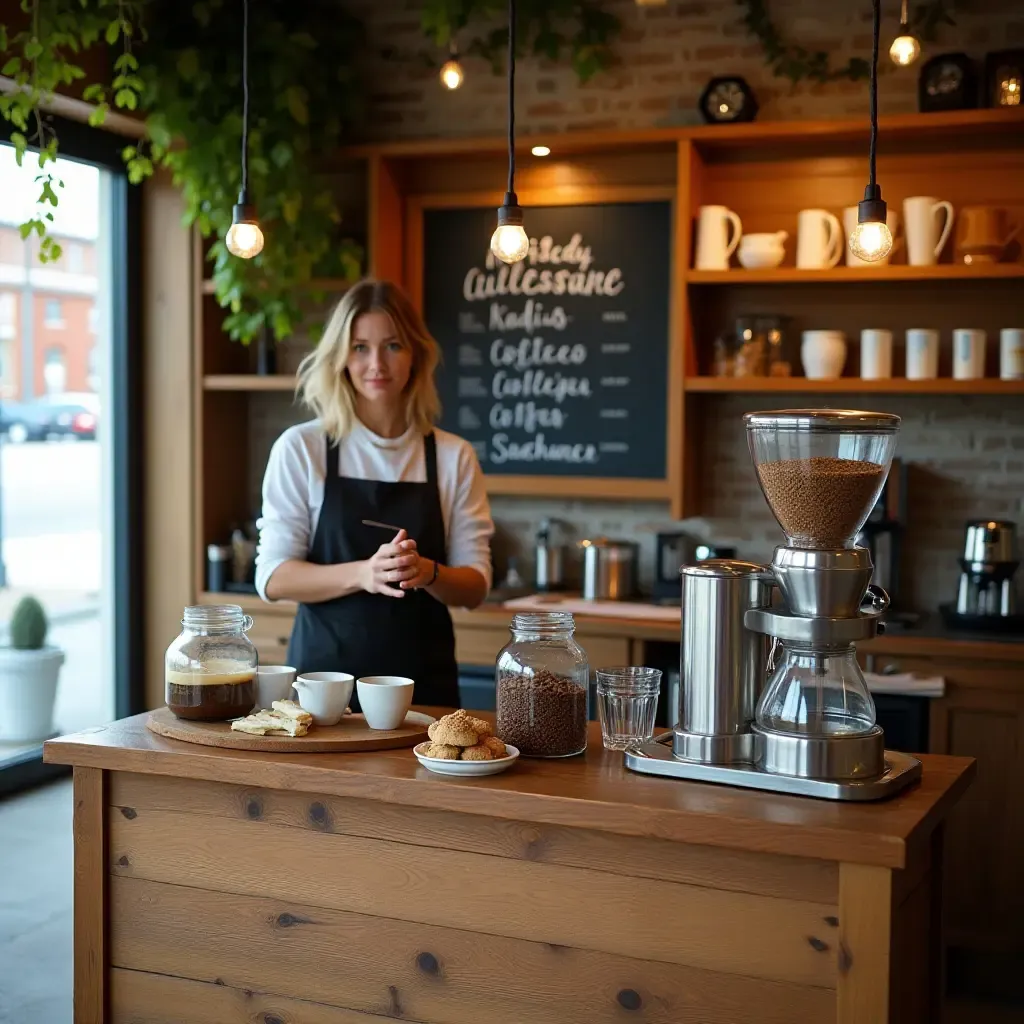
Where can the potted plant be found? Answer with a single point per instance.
(28, 675)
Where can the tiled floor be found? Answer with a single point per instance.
(35, 915)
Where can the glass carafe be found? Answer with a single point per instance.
(210, 667)
(816, 692)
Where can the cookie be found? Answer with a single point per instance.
(445, 751)
(454, 730)
(478, 752)
(431, 728)
(289, 709)
(494, 745)
(482, 728)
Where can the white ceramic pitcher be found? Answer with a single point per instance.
(819, 240)
(714, 246)
(920, 222)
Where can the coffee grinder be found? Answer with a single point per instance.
(810, 729)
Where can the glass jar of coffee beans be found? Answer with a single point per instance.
(542, 679)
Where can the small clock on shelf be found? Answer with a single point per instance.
(1004, 78)
(948, 82)
(727, 99)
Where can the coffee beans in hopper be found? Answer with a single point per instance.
(544, 715)
(820, 501)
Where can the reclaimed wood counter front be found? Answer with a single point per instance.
(220, 887)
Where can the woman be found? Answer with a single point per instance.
(373, 602)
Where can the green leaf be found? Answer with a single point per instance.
(296, 97)
(112, 32)
(126, 62)
(126, 98)
(158, 132)
(33, 49)
(12, 67)
(26, 229)
(93, 92)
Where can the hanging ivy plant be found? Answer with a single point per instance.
(548, 28)
(796, 63)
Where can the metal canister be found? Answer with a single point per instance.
(722, 663)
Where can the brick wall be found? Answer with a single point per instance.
(966, 455)
(665, 55)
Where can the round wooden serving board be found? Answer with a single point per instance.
(350, 735)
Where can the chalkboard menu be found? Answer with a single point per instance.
(558, 365)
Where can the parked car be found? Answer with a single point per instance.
(67, 415)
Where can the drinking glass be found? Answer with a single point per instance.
(627, 699)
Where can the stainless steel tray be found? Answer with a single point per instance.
(656, 758)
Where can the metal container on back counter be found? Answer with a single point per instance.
(609, 569)
(722, 663)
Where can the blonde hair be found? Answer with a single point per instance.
(324, 383)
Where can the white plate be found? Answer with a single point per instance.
(475, 768)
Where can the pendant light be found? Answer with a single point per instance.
(244, 237)
(905, 48)
(871, 240)
(452, 75)
(509, 241)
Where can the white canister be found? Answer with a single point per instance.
(1011, 353)
(968, 354)
(875, 354)
(823, 354)
(922, 353)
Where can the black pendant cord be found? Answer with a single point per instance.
(873, 93)
(511, 103)
(245, 102)
(904, 24)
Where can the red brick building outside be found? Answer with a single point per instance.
(60, 339)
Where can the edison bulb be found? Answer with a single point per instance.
(451, 74)
(510, 242)
(244, 240)
(905, 49)
(870, 241)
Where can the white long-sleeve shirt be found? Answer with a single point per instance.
(293, 491)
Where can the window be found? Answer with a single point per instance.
(94, 319)
(54, 370)
(53, 315)
(93, 368)
(76, 258)
(7, 313)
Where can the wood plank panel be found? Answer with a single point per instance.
(764, 874)
(865, 909)
(722, 931)
(434, 973)
(90, 897)
(910, 998)
(139, 998)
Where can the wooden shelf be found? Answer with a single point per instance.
(325, 284)
(854, 385)
(794, 275)
(248, 382)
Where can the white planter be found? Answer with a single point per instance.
(28, 689)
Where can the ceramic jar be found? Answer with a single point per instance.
(823, 354)
(762, 249)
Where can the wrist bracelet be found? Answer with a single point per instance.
(437, 569)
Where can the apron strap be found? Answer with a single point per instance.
(430, 457)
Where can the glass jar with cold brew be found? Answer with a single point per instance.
(541, 680)
(210, 667)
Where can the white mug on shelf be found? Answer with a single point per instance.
(714, 246)
(1011, 353)
(892, 222)
(968, 354)
(819, 240)
(823, 354)
(875, 354)
(921, 223)
(922, 353)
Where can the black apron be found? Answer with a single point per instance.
(374, 634)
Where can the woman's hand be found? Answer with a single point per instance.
(394, 563)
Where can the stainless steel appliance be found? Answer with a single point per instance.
(987, 586)
(549, 558)
(882, 534)
(609, 569)
(813, 730)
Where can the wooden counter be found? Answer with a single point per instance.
(331, 889)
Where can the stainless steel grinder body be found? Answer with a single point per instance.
(722, 665)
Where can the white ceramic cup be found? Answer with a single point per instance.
(819, 239)
(384, 700)
(325, 695)
(762, 249)
(875, 354)
(273, 682)
(892, 222)
(714, 246)
(823, 354)
(968, 354)
(921, 223)
(1011, 353)
(922, 353)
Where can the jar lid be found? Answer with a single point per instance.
(723, 568)
(849, 420)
